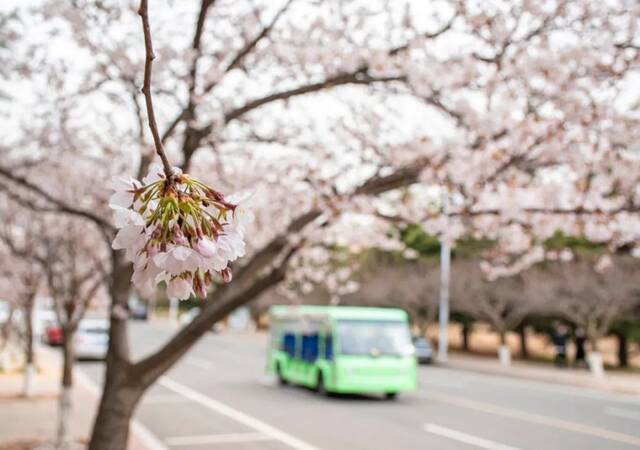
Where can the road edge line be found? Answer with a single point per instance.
(238, 416)
(466, 438)
(540, 419)
(141, 432)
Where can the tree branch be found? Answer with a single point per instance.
(427, 35)
(149, 369)
(400, 178)
(252, 43)
(359, 76)
(61, 206)
(146, 89)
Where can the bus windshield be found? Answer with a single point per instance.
(363, 337)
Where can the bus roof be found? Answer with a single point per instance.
(340, 312)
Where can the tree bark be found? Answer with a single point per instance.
(119, 399)
(28, 349)
(466, 334)
(524, 350)
(119, 395)
(64, 405)
(623, 350)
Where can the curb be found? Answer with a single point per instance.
(605, 384)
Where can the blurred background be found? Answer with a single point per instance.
(446, 242)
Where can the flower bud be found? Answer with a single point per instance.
(199, 287)
(227, 276)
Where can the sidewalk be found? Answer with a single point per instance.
(624, 383)
(31, 423)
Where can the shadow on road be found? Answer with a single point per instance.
(339, 397)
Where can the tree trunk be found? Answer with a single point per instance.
(623, 350)
(28, 350)
(124, 382)
(524, 350)
(64, 405)
(504, 352)
(119, 399)
(466, 335)
(119, 395)
(594, 359)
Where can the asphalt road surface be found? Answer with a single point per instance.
(218, 397)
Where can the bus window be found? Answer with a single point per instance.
(289, 344)
(310, 348)
(360, 337)
(328, 347)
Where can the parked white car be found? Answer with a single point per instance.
(91, 340)
(42, 319)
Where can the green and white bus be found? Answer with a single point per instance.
(342, 349)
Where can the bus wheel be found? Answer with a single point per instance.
(281, 378)
(391, 395)
(320, 389)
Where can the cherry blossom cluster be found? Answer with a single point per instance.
(178, 231)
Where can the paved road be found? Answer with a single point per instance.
(219, 398)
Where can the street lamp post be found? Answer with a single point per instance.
(445, 267)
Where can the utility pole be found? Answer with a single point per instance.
(445, 267)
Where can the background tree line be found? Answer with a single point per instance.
(585, 287)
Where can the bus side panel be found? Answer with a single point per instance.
(327, 369)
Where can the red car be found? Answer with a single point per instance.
(53, 335)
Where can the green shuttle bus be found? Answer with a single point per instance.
(343, 349)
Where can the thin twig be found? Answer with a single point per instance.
(146, 89)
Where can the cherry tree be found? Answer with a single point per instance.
(504, 302)
(74, 273)
(21, 282)
(59, 251)
(545, 129)
(504, 105)
(592, 292)
(417, 292)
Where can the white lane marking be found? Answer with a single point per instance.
(148, 439)
(464, 437)
(159, 399)
(534, 418)
(217, 439)
(545, 386)
(238, 416)
(199, 363)
(624, 413)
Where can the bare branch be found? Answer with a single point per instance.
(359, 77)
(252, 43)
(61, 205)
(146, 88)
